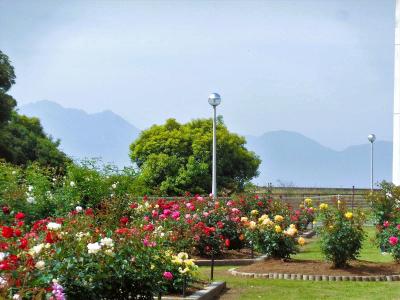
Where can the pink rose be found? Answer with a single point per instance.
(168, 275)
(393, 240)
(386, 224)
(175, 215)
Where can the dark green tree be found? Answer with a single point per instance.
(22, 139)
(7, 79)
(174, 158)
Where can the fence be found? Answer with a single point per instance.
(352, 200)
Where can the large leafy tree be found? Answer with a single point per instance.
(22, 139)
(174, 158)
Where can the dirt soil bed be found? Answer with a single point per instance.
(316, 267)
(230, 254)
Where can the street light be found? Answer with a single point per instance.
(371, 139)
(214, 99)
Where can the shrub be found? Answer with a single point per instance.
(273, 237)
(341, 233)
(87, 260)
(389, 237)
(385, 205)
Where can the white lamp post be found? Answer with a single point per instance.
(214, 99)
(372, 139)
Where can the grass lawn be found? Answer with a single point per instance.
(243, 288)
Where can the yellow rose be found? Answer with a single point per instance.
(348, 215)
(292, 231)
(262, 218)
(183, 255)
(323, 206)
(278, 218)
(267, 222)
(254, 212)
(278, 229)
(301, 241)
(308, 201)
(252, 225)
(244, 219)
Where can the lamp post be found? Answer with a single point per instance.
(214, 99)
(371, 139)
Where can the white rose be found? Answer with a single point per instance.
(78, 209)
(30, 199)
(72, 184)
(53, 226)
(3, 256)
(93, 248)
(35, 250)
(3, 283)
(107, 242)
(40, 265)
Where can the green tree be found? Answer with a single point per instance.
(7, 75)
(174, 158)
(22, 139)
(7, 79)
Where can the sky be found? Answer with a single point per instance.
(323, 68)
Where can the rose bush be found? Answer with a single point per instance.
(88, 261)
(272, 236)
(341, 233)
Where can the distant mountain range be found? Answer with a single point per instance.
(288, 158)
(84, 135)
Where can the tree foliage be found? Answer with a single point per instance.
(174, 158)
(22, 139)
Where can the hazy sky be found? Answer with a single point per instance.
(323, 68)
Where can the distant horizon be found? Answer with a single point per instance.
(242, 134)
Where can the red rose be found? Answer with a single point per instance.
(124, 220)
(23, 243)
(89, 212)
(7, 232)
(6, 210)
(19, 216)
(17, 232)
(50, 238)
(227, 243)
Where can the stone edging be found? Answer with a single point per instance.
(314, 277)
(230, 262)
(208, 293)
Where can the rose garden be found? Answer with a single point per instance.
(84, 236)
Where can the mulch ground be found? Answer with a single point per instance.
(316, 267)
